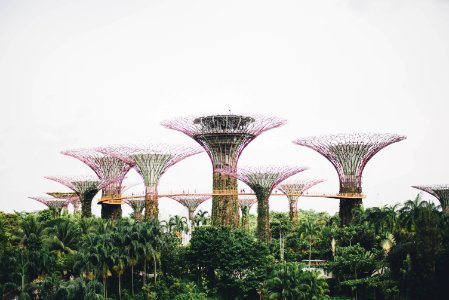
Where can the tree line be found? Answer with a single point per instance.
(390, 252)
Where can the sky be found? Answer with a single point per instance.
(103, 72)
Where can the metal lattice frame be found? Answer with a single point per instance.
(71, 196)
(262, 180)
(137, 205)
(151, 162)
(349, 154)
(191, 203)
(245, 206)
(54, 204)
(439, 191)
(85, 187)
(224, 137)
(293, 190)
(106, 167)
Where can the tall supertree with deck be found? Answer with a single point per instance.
(262, 180)
(191, 203)
(54, 204)
(245, 206)
(349, 154)
(85, 188)
(137, 205)
(106, 167)
(224, 137)
(439, 191)
(151, 162)
(294, 190)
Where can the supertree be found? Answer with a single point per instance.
(191, 203)
(137, 205)
(439, 191)
(106, 167)
(245, 206)
(293, 190)
(349, 153)
(54, 204)
(151, 162)
(224, 137)
(85, 188)
(262, 180)
(70, 196)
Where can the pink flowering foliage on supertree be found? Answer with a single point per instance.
(224, 136)
(151, 161)
(247, 203)
(191, 202)
(298, 187)
(137, 204)
(266, 177)
(349, 153)
(52, 203)
(82, 184)
(105, 166)
(439, 191)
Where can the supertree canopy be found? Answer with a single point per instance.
(439, 191)
(293, 190)
(191, 203)
(137, 205)
(224, 137)
(106, 167)
(262, 180)
(85, 187)
(245, 206)
(349, 153)
(54, 204)
(70, 196)
(151, 162)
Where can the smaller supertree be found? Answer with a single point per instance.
(85, 188)
(349, 154)
(137, 205)
(151, 162)
(70, 196)
(262, 180)
(293, 190)
(245, 206)
(439, 191)
(191, 203)
(54, 204)
(106, 167)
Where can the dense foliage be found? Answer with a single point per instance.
(385, 253)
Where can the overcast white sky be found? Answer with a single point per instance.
(98, 72)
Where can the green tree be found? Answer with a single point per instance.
(289, 281)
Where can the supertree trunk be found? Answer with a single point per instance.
(263, 215)
(86, 203)
(225, 208)
(346, 210)
(293, 211)
(111, 211)
(245, 218)
(347, 206)
(151, 203)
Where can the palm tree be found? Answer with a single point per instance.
(310, 230)
(285, 282)
(201, 218)
(63, 238)
(409, 212)
(178, 225)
